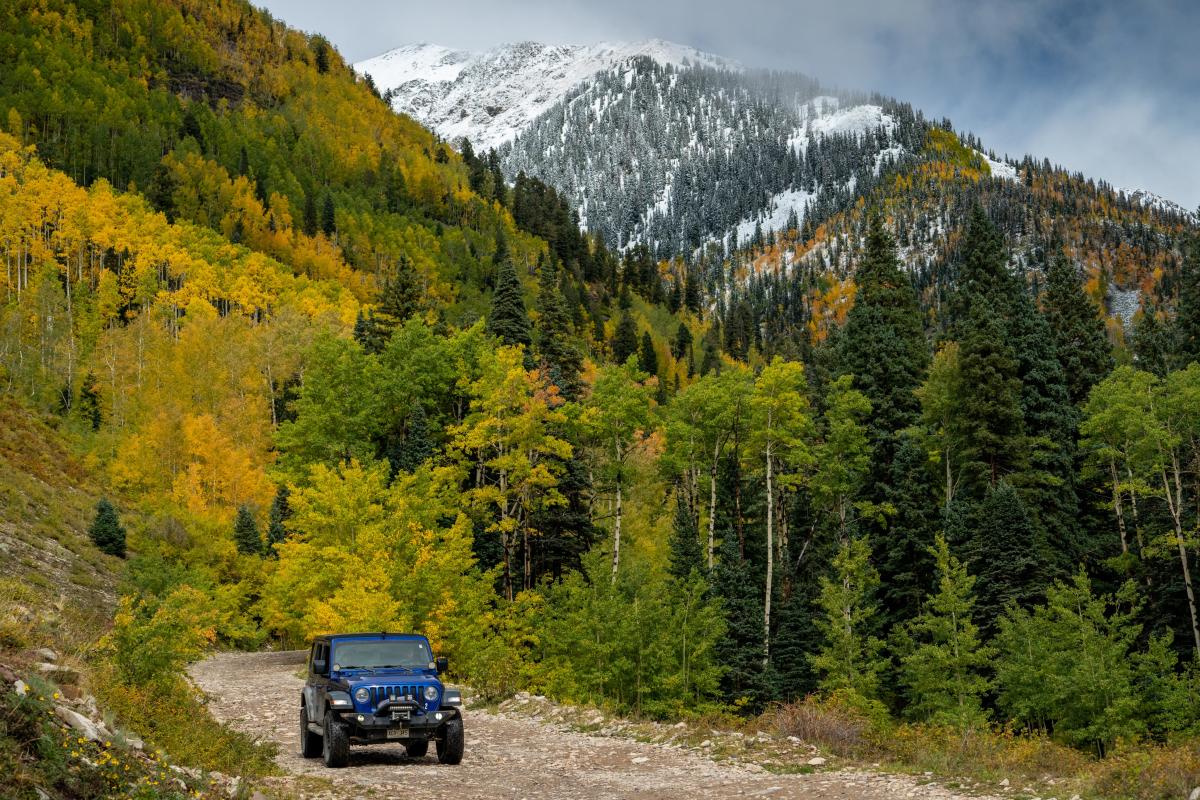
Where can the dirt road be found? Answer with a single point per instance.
(510, 754)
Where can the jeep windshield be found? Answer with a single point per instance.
(381, 654)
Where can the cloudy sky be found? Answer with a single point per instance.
(1107, 87)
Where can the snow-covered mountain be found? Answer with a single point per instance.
(492, 96)
(688, 153)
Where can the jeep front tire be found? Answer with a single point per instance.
(310, 743)
(335, 745)
(450, 743)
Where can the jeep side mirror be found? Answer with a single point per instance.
(319, 666)
(442, 664)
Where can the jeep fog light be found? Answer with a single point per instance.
(362, 695)
(361, 718)
(431, 693)
(438, 716)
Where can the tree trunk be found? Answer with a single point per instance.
(770, 562)
(1117, 507)
(712, 505)
(1175, 505)
(617, 535)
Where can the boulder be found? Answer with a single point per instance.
(81, 724)
(816, 761)
(46, 654)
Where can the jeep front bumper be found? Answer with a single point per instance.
(396, 724)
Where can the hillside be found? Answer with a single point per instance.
(869, 471)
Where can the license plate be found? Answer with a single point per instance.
(397, 733)
(400, 715)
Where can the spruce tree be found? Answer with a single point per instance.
(280, 512)
(1005, 553)
(245, 533)
(328, 218)
(106, 530)
(1050, 424)
(983, 275)
(647, 357)
(415, 447)
(368, 333)
(399, 299)
(746, 678)
(1153, 348)
(989, 420)
(902, 547)
(556, 343)
(685, 554)
(682, 346)
(625, 339)
(309, 217)
(1187, 313)
(883, 344)
(1078, 329)
(507, 320)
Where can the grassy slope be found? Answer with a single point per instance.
(47, 501)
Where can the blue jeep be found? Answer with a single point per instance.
(369, 688)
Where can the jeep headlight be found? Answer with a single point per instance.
(431, 693)
(362, 695)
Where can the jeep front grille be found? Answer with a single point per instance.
(401, 692)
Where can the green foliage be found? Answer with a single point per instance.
(988, 420)
(685, 556)
(1002, 543)
(106, 531)
(1078, 328)
(625, 339)
(245, 533)
(1071, 667)
(640, 643)
(944, 673)
(849, 658)
(507, 320)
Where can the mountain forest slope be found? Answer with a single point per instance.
(897, 464)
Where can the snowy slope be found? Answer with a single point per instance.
(492, 96)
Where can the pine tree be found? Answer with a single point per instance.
(556, 343)
(507, 320)
(989, 420)
(106, 530)
(682, 346)
(368, 333)
(1005, 553)
(416, 447)
(983, 275)
(625, 339)
(883, 344)
(745, 679)
(685, 555)
(280, 512)
(1187, 313)
(904, 559)
(647, 357)
(399, 299)
(1153, 350)
(1050, 422)
(328, 218)
(1078, 329)
(944, 672)
(245, 533)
